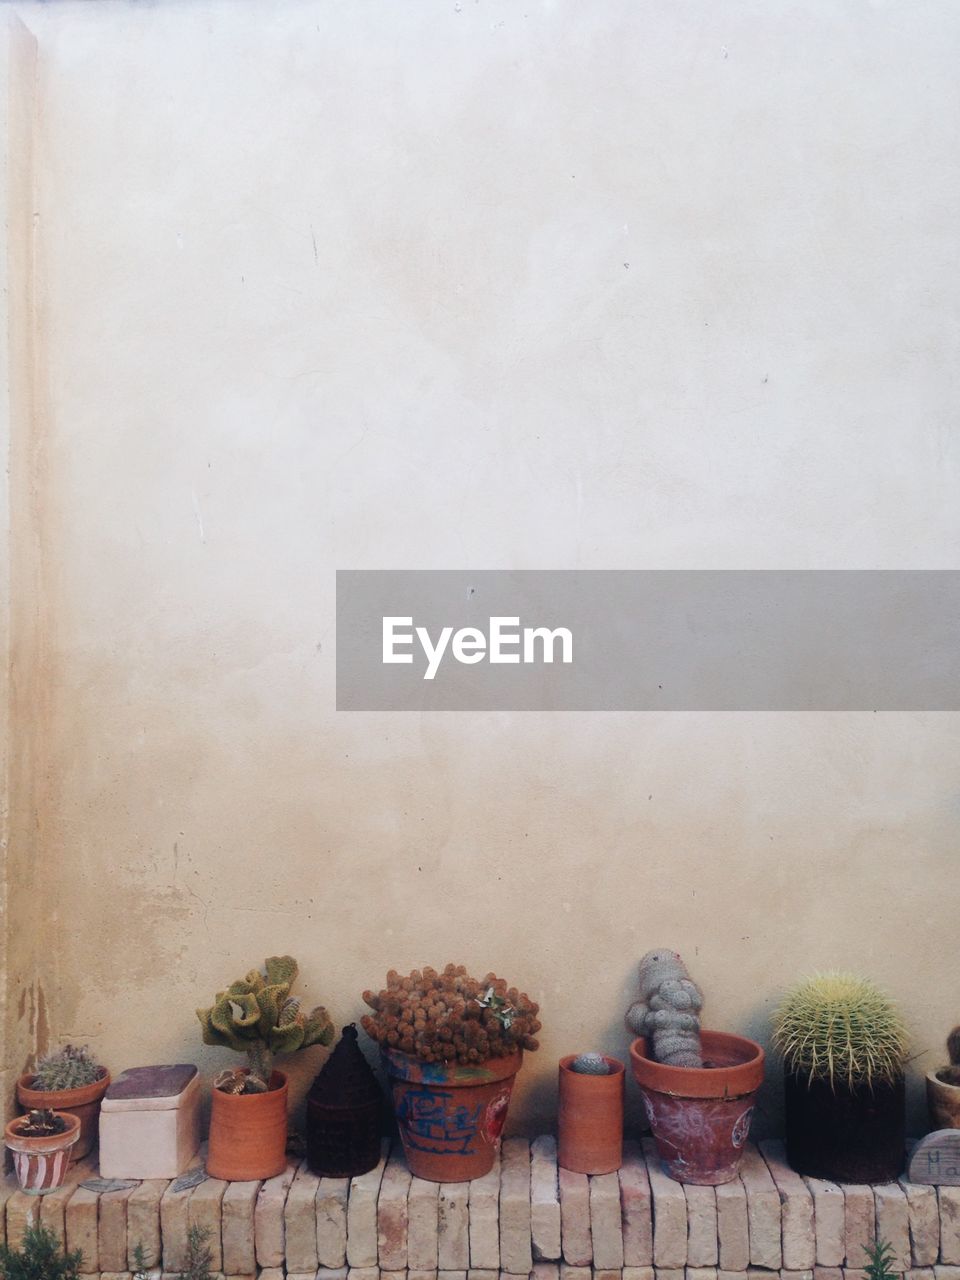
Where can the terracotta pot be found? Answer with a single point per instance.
(590, 1118)
(844, 1134)
(943, 1102)
(248, 1133)
(700, 1116)
(450, 1116)
(42, 1163)
(83, 1103)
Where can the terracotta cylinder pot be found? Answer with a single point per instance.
(943, 1102)
(590, 1118)
(845, 1134)
(41, 1163)
(700, 1116)
(450, 1116)
(84, 1103)
(248, 1133)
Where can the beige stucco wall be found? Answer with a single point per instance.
(485, 285)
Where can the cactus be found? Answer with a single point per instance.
(69, 1068)
(667, 1011)
(258, 1016)
(451, 1017)
(840, 1027)
(41, 1124)
(951, 1074)
(590, 1064)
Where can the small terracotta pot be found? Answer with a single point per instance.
(590, 1118)
(83, 1103)
(943, 1102)
(700, 1116)
(248, 1133)
(450, 1116)
(42, 1163)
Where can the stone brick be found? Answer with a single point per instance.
(827, 1273)
(723, 1274)
(702, 1250)
(300, 1223)
(733, 1229)
(174, 1215)
(115, 1275)
(112, 1230)
(143, 1222)
(268, 1226)
(893, 1222)
(423, 1209)
(481, 1273)
(484, 1207)
(453, 1226)
(272, 1273)
(205, 1210)
(332, 1273)
(670, 1273)
(638, 1273)
(456, 1275)
(669, 1215)
(854, 1273)
(859, 1224)
(828, 1225)
(544, 1200)
(331, 1211)
(636, 1210)
(544, 1271)
(516, 1255)
(362, 1217)
(947, 1272)
(763, 1210)
(575, 1219)
(568, 1272)
(22, 1211)
(392, 1214)
(432, 1275)
(81, 1219)
(797, 1232)
(923, 1217)
(920, 1273)
(357, 1273)
(8, 1187)
(605, 1224)
(786, 1273)
(237, 1213)
(53, 1209)
(701, 1273)
(949, 1198)
(606, 1273)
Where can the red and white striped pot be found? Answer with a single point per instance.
(41, 1163)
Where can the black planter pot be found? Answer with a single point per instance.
(344, 1113)
(845, 1134)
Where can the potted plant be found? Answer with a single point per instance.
(698, 1087)
(943, 1088)
(844, 1046)
(40, 1257)
(452, 1046)
(68, 1080)
(40, 1143)
(248, 1119)
(590, 1114)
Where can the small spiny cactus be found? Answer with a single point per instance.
(590, 1064)
(951, 1074)
(840, 1027)
(69, 1068)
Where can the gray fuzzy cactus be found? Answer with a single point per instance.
(666, 1014)
(590, 1064)
(69, 1068)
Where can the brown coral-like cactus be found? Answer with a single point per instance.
(667, 1013)
(451, 1017)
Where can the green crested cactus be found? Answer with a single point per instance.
(71, 1067)
(841, 1028)
(258, 1016)
(590, 1064)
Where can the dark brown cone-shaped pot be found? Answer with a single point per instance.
(84, 1103)
(845, 1134)
(700, 1116)
(450, 1116)
(590, 1118)
(344, 1113)
(248, 1133)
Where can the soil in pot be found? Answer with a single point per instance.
(248, 1133)
(41, 1162)
(450, 1116)
(84, 1103)
(700, 1116)
(845, 1134)
(590, 1118)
